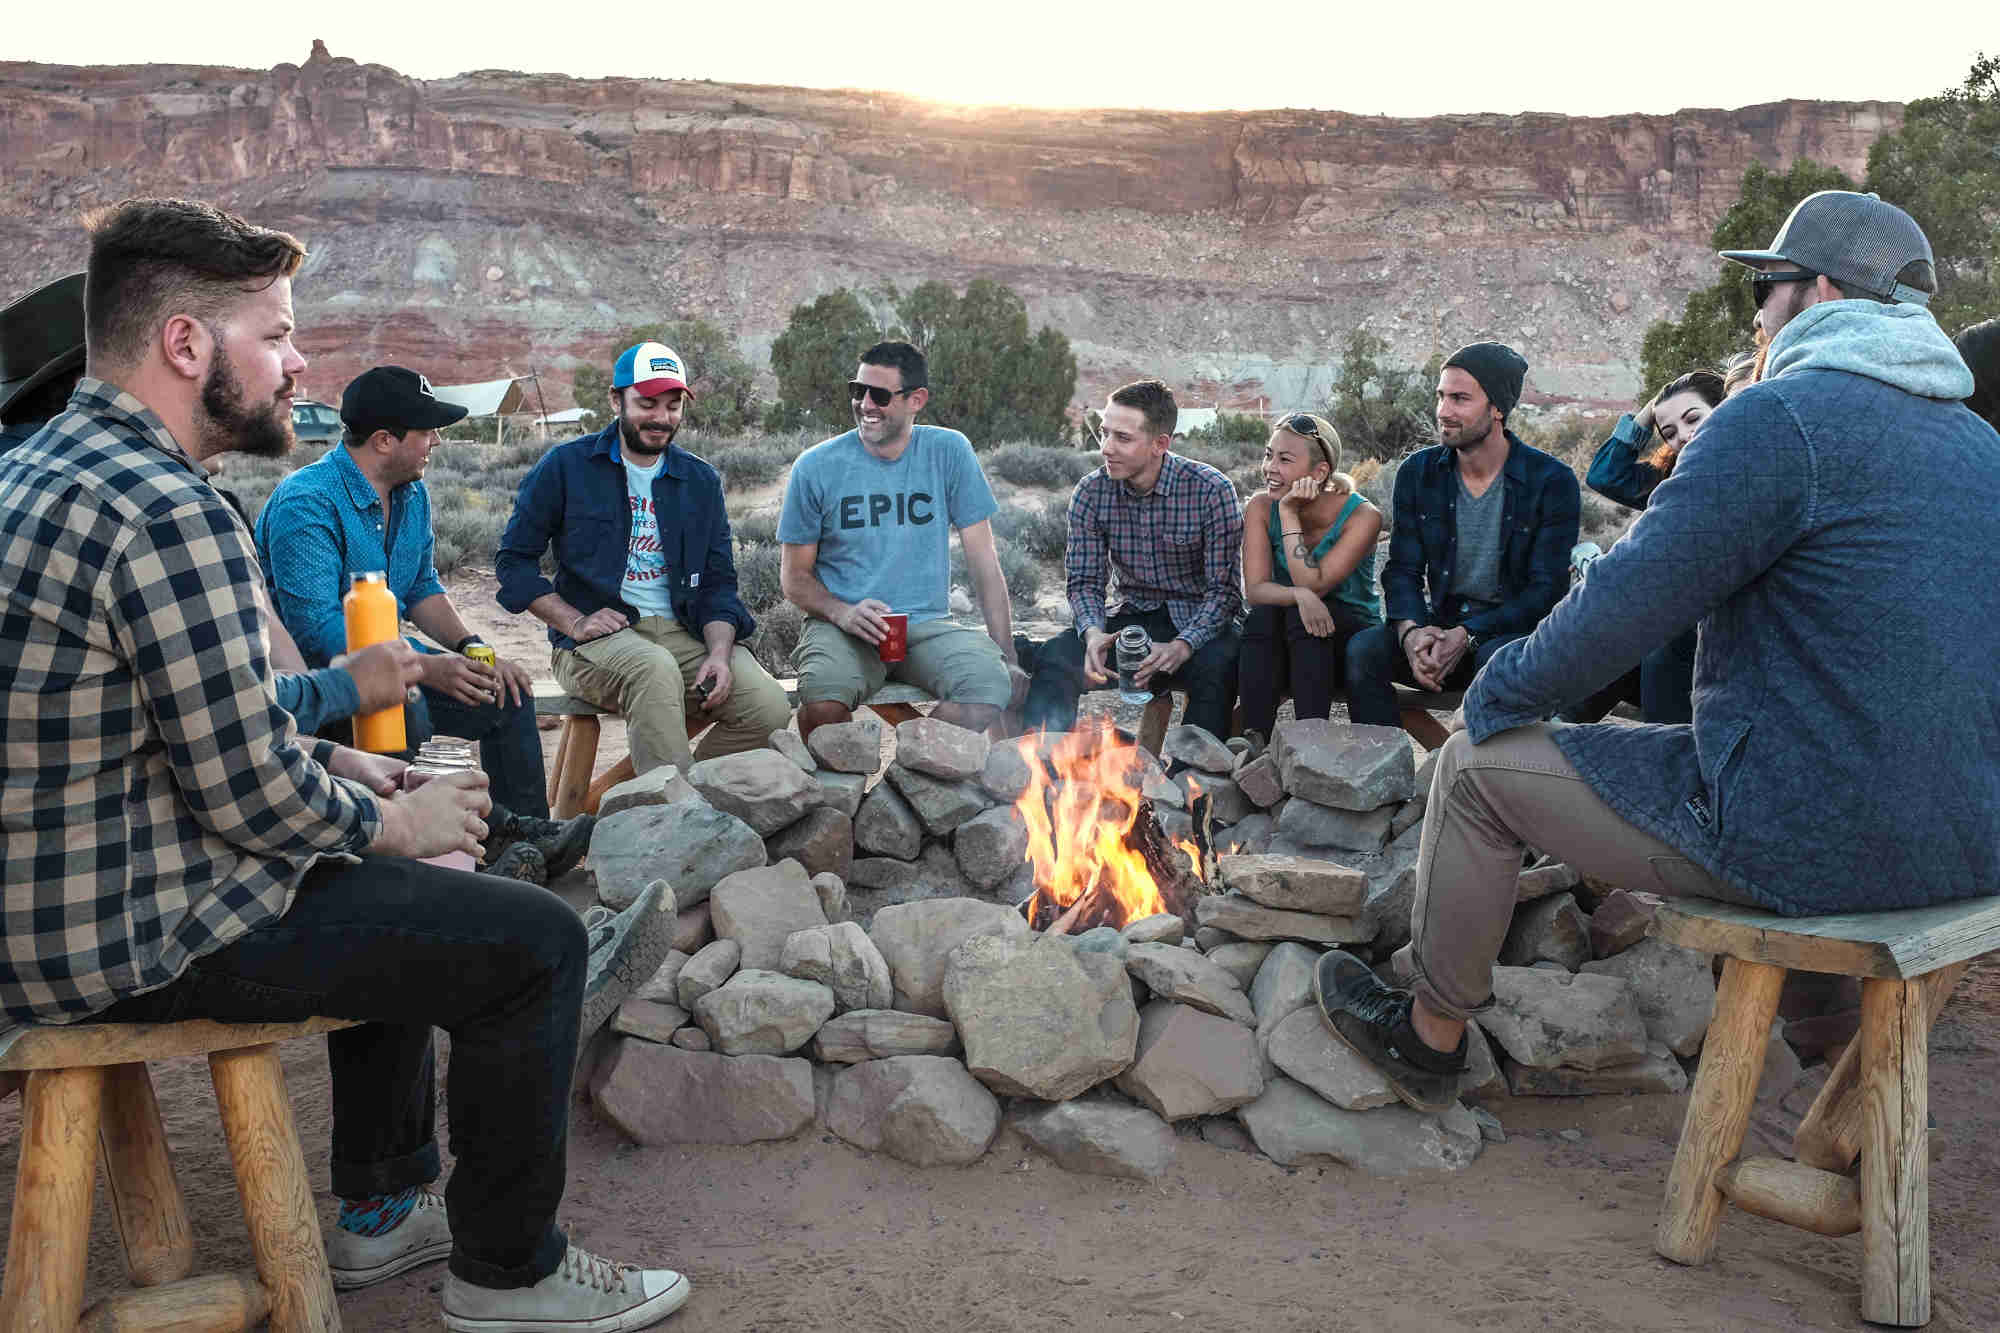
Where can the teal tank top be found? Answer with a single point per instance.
(1356, 591)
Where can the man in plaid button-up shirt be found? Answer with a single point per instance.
(172, 851)
(1170, 530)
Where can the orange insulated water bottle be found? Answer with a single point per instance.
(371, 619)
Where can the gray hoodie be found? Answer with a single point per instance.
(1831, 530)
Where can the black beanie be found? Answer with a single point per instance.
(1980, 346)
(1498, 368)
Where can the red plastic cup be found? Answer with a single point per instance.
(895, 645)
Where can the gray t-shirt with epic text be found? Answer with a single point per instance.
(1477, 579)
(884, 529)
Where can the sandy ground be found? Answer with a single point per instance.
(1550, 1230)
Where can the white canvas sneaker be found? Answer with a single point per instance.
(422, 1237)
(586, 1294)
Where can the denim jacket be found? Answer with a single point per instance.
(1538, 525)
(575, 497)
(1618, 472)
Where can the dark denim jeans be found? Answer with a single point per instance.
(1662, 685)
(1376, 664)
(1281, 656)
(406, 946)
(510, 747)
(1208, 678)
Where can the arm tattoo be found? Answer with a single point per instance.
(1303, 552)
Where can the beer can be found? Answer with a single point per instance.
(483, 654)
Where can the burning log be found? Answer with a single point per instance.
(1169, 863)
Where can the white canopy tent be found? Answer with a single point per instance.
(498, 399)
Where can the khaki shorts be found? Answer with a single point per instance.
(946, 660)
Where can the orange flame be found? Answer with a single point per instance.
(1077, 825)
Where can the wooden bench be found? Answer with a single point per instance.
(1874, 1106)
(86, 1089)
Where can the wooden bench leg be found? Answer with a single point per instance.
(622, 771)
(579, 762)
(270, 1167)
(556, 769)
(1424, 725)
(50, 1238)
(1732, 1060)
(1895, 1153)
(145, 1198)
(212, 1303)
(1830, 1135)
(894, 715)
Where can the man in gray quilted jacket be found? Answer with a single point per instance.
(1830, 531)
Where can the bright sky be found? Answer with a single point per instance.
(1581, 57)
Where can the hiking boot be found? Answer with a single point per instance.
(586, 1294)
(522, 861)
(422, 1237)
(1372, 1019)
(561, 843)
(626, 949)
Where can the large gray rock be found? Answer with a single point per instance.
(689, 844)
(707, 970)
(1309, 824)
(1552, 929)
(1242, 959)
(760, 787)
(1190, 1063)
(1284, 983)
(1100, 1138)
(1005, 775)
(886, 826)
(763, 1013)
(877, 1034)
(842, 958)
(648, 1020)
(832, 891)
(1226, 801)
(941, 805)
(1620, 922)
(922, 1109)
(664, 986)
(1183, 975)
(1198, 749)
(760, 908)
(787, 743)
(1301, 1046)
(661, 1094)
(917, 940)
(1546, 1018)
(1246, 920)
(1296, 884)
(1248, 835)
(1673, 988)
(1294, 1127)
(841, 791)
(1344, 765)
(1655, 1071)
(822, 842)
(941, 749)
(990, 846)
(1482, 1076)
(1543, 880)
(848, 747)
(880, 881)
(1392, 889)
(659, 786)
(1259, 780)
(1038, 1017)
(1160, 928)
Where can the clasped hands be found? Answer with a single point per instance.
(1435, 653)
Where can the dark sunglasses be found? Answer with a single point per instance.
(1302, 424)
(875, 393)
(1762, 283)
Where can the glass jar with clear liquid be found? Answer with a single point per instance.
(1133, 647)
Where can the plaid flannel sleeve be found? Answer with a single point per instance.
(1222, 546)
(184, 611)
(1086, 558)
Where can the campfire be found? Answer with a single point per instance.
(1101, 857)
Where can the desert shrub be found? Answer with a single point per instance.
(744, 464)
(777, 638)
(1600, 520)
(1023, 573)
(1380, 489)
(755, 529)
(1040, 464)
(757, 571)
(1041, 531)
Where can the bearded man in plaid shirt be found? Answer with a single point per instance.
(174, 850)
(1171, 530)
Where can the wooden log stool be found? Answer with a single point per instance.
(86, 1087)
(1874, 1107)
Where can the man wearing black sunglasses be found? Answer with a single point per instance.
(866, 530)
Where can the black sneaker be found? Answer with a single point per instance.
(519, 860)
(1372, 1019)
(562, 843)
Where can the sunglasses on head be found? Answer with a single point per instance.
(875, 393)
(1303, 424)
(1762, 283)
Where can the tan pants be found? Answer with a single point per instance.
(1486, 803)
(646, 674)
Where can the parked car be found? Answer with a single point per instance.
(314, 423)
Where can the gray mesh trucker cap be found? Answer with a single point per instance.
(1852, 238)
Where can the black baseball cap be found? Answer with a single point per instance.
(394, 399)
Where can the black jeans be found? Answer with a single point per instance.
(1376, 663)
(1662, 685)
(510, 746)
(406, 946)
(1281, 656)
(1208, 678)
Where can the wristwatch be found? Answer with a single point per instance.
(466, 642)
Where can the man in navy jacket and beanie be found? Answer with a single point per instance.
(1479, 550)
(643, 612)
(1832, 764)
